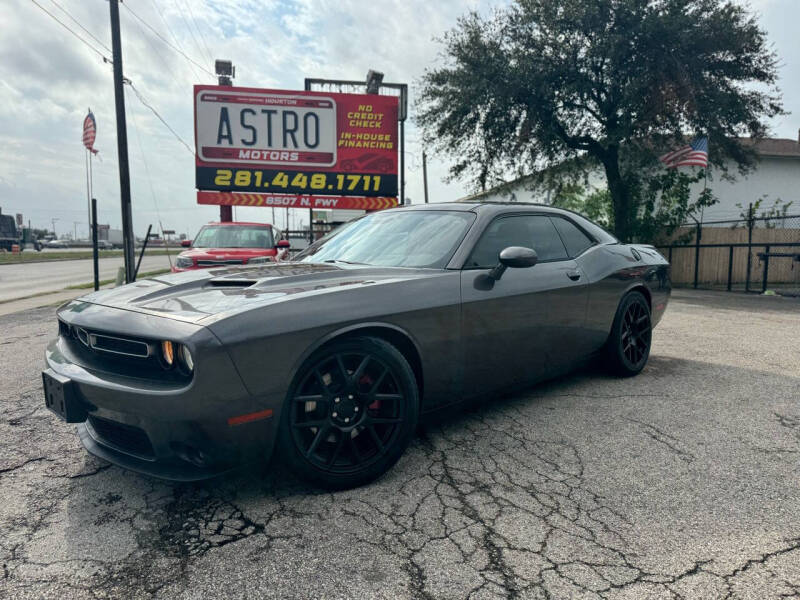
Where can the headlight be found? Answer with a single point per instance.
(183, 262)
(168, 353)
(186, 358)
(258, 260)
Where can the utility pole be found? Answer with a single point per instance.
(53, 221)
(122, 145)
(425, 175)
(75, 230)
(225, 72)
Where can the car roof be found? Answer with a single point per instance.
(485, 207)
(489, 209)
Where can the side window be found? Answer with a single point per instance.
(574, 239)
(528, 231)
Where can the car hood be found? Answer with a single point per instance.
(207, 294)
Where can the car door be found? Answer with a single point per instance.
(528, 324)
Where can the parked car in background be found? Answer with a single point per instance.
(234, 243)
(9, 236)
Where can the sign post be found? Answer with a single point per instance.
(295, 149)
(95, 266)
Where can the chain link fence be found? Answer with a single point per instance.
(753, 254)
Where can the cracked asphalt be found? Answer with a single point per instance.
(679, 483)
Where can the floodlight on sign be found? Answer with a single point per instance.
(374, 80)
(223, 67)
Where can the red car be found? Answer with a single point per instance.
(233, 243)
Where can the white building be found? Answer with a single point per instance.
(776, 176)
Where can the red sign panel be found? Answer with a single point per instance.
(292, 201)
(300, 143)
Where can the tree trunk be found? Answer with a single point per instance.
(620, 194)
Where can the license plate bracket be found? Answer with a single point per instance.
(60, 397)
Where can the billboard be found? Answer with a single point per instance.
(300, 144)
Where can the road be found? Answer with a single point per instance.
(27, 279)
(678, 483)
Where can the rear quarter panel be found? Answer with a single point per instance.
(612, 271)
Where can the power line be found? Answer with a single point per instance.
(78, 23)
(200, 33)
(144, 160)
(82, 40)
(189, 27)
(165, 40)
(172, 34)
(155, 50)
(160, 118)
(149, 179)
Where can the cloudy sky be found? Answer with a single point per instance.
(48, 78)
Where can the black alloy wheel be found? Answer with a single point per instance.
(350, 413)
(629, 344)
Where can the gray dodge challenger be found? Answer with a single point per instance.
(332, 359)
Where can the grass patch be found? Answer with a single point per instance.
(31, 256)
(86, 286)
(30, 296)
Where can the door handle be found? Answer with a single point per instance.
(574, 275)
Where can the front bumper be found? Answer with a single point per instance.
(183, 431)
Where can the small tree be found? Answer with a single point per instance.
(665, 203)
(778, 211)
(605, 82)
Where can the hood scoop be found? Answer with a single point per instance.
(230, 282)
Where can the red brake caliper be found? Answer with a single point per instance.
(366, 380)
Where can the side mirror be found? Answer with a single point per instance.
(515, 257)
(186, 243)
(283, 244)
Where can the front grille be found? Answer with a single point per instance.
(122, 437)
(132, 357)
(215, 263)
(102, 342)
(116, 345)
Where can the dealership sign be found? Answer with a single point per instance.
(301, 145)
(295, 201)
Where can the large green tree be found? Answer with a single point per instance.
(545, 85)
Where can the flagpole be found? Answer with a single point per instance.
(88, 162)
(91, 183)
(705, 187)
(705, 180)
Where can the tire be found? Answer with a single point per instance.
(628, 346)
(350, 413)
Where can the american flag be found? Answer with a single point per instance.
(89, 132)
(691, 155)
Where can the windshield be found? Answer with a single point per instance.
(234, 236)
(423, 238)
